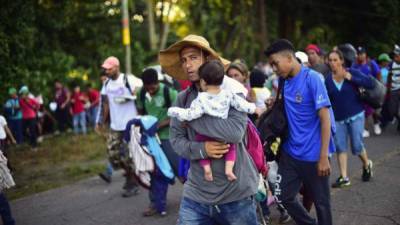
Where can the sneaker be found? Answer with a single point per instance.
(341, 182)
(149, 212)
(377, 129)
(163, 213)
(130, 192)
(365, 133)
(40, 139)
(105, 177)
(284, 218)
(367, 172)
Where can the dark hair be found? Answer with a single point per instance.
(257, 78)
(348, 52)
(150, 76)
(212, 72)
(340, 54)
(279, 46)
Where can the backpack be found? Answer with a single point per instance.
(255, 148)
(127, 85)
(273, 125)
(375, 96)
(167, 98)
(10, 112)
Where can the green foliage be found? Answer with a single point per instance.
(44, 40)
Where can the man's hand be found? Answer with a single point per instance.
(216, 149)
(323, 167)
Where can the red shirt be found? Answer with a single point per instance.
(29, 107)
(94, 97)
(78, 105)
(184, 84)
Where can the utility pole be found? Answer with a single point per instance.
(126, 40)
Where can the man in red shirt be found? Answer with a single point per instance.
(78, 101)
(94, 99)
(29, 108)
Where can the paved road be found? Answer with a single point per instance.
(92, 202)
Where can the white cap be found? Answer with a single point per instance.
(302, 57)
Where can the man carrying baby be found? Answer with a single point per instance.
(219, 201)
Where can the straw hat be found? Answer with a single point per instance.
(170, 60)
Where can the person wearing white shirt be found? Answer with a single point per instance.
(119, 92)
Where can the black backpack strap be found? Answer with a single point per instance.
(143, 99)
(167, 98)
(127, 85)
(107, 81)
(280, 92)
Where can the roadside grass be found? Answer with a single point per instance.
(60, 160)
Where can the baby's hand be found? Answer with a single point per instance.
(259, 111)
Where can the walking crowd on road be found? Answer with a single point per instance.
(240, 138)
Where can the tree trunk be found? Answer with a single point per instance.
(263, 25)
(286, 23)
(165, 30)
(152, 25)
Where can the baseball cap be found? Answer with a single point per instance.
(110, 62)
(313, 47)
(384, 58)
(24, 90)
(396, 50)
(303, 57)
(12, 91)
(278, 46)
(361, 50)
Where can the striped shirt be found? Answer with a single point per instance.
(395, 76)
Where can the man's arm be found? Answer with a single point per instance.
(189, 149)
(230, 130)
(9, 134)
(323, 163)
(178, 136)
(164, 123)
(67, 100)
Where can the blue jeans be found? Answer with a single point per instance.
(350, 129)
(5, 211)
(79, 121)
(172, 157)
(241, 212)
(158, 191)
(92, 113)
(16, 129)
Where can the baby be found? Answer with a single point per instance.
(216, 102)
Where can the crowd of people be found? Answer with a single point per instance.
(30, 119)
(203, 125)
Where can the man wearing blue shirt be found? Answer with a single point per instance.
(305, 156)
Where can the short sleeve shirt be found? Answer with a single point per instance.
(120, 112)
(369, 68)
(155, 106)
(304, 95)
(3, 123)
